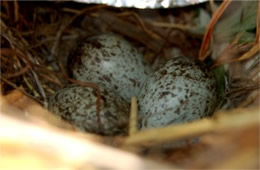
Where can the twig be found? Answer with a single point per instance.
(15, 52)
(221, 121)
(48, 89)
(250, 53)
(16, 11)
(39, 85)
(173, 26)
(20, 89)
(49, 39)
(255, 86)
(133, 117)
(35, 92)
(253, 97)
(70, 10)
(18, 73)
(51, 80)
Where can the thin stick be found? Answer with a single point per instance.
(255, 49)
(15, 52)
(253, 97)
(51, 79)
(20, 89)
(173, 26)
(18, 73)
(40, 88)
(16, 11)
(133, 117)
(153, 136)
(31, 88)
(70, 10)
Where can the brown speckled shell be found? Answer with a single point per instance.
(110, 61)
(77, 105)
(182, 90)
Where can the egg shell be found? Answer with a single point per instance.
(110, 61)
(182, 90)
(77, 105)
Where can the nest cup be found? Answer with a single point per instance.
(36, 40)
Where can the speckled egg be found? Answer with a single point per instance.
(182, 90)
(110, 61)
(77, 105)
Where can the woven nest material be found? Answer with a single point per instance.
(36, 39)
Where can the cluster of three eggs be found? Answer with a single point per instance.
(182, 90)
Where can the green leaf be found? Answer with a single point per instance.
(240, 17)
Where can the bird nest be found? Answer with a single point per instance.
(36, 38)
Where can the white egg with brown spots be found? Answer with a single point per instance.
(182, 90)
(77, 105)
(110, 61)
